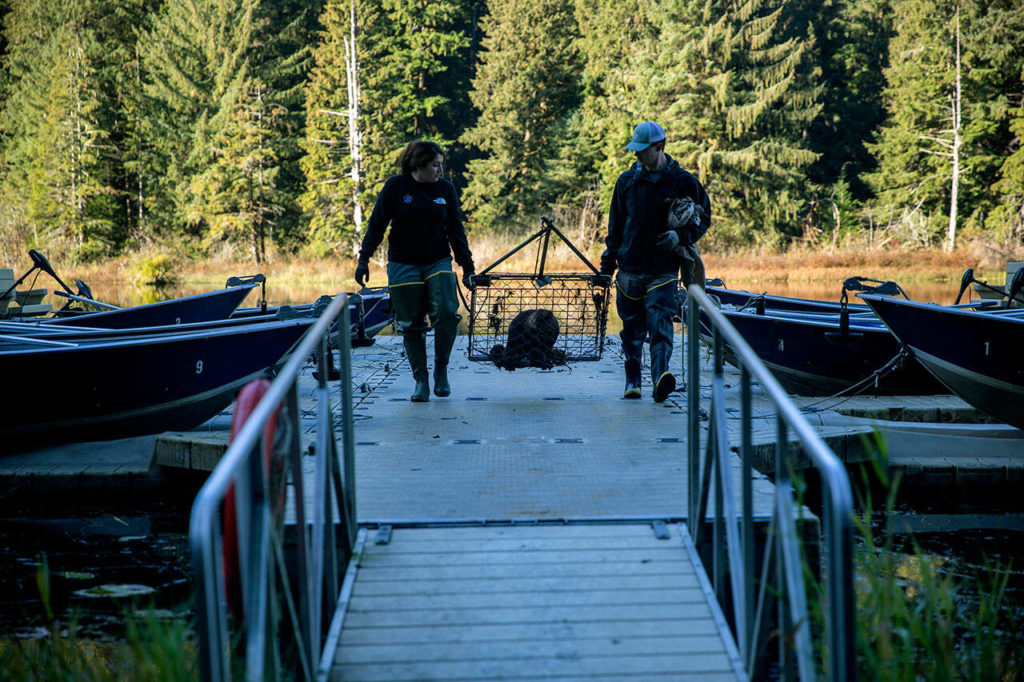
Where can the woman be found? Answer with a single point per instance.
(426, 227)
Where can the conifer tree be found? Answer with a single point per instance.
(195, 63)
(406, 48)
(525, 90)
(993, 188)
(852, 49)
(612, 33)
(411, 55)
(54, 181)
(285, 34)
(738, 98)
(243, 199)
(912, 184)
(1008, 217)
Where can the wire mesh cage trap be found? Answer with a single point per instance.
(538, 319)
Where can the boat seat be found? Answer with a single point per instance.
(30, 296)
(26, 303)
(6, 282)
(32, 310)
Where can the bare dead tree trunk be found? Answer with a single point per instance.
(952, 143)
(138, 137)
(261, 253)
(955, 147)
(355, 135)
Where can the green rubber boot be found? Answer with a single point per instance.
(408, 301)
(443, 307)
(416, 351)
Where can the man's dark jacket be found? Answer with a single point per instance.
(639, 213)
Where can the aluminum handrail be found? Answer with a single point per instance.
(302, 592)
(732, 540)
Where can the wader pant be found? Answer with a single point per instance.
(419, 292)
(645, 304)
(691, 266)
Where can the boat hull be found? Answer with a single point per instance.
(977, 355)
(749, 299)
(137, 386)
(213, 305)
(811, 357)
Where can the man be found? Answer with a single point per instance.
(658, 211)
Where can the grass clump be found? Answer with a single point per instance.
(154, 650)
(918, 620)
(158, 270)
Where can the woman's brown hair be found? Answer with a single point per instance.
(418, 154)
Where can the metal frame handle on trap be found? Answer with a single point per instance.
(579, 302)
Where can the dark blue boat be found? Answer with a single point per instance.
(977, 355)
(213, 305)
(816, 354)
(369, 312)
(15, 333)
(65, 391)
(765, 301)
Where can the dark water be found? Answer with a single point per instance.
(102, 560)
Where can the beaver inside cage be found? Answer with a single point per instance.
(531, 342)
(516, 322)
(539, 319)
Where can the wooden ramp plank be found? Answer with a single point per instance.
(530, 602)
(517, 600)
(534, 632)
(606, 568)
(610, 666)
(498, 585)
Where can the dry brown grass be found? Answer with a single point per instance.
(798, 265)
(819, 266)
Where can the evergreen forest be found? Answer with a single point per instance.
(242, 128)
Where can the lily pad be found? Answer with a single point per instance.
(116, 591)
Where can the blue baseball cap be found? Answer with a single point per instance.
(644, 135)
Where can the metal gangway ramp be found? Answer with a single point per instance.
(479, 555)
(531, 601)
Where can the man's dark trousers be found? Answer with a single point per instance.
(646, 304)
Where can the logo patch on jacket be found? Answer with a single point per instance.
(439, 200)
(407, 199)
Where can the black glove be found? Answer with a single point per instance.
(467, 279)
(668, 241)
(608, 268)
(362, 272)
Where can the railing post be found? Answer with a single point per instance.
(747, 473)
(348, 435)
(693, 413)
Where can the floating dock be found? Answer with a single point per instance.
(547, 428)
